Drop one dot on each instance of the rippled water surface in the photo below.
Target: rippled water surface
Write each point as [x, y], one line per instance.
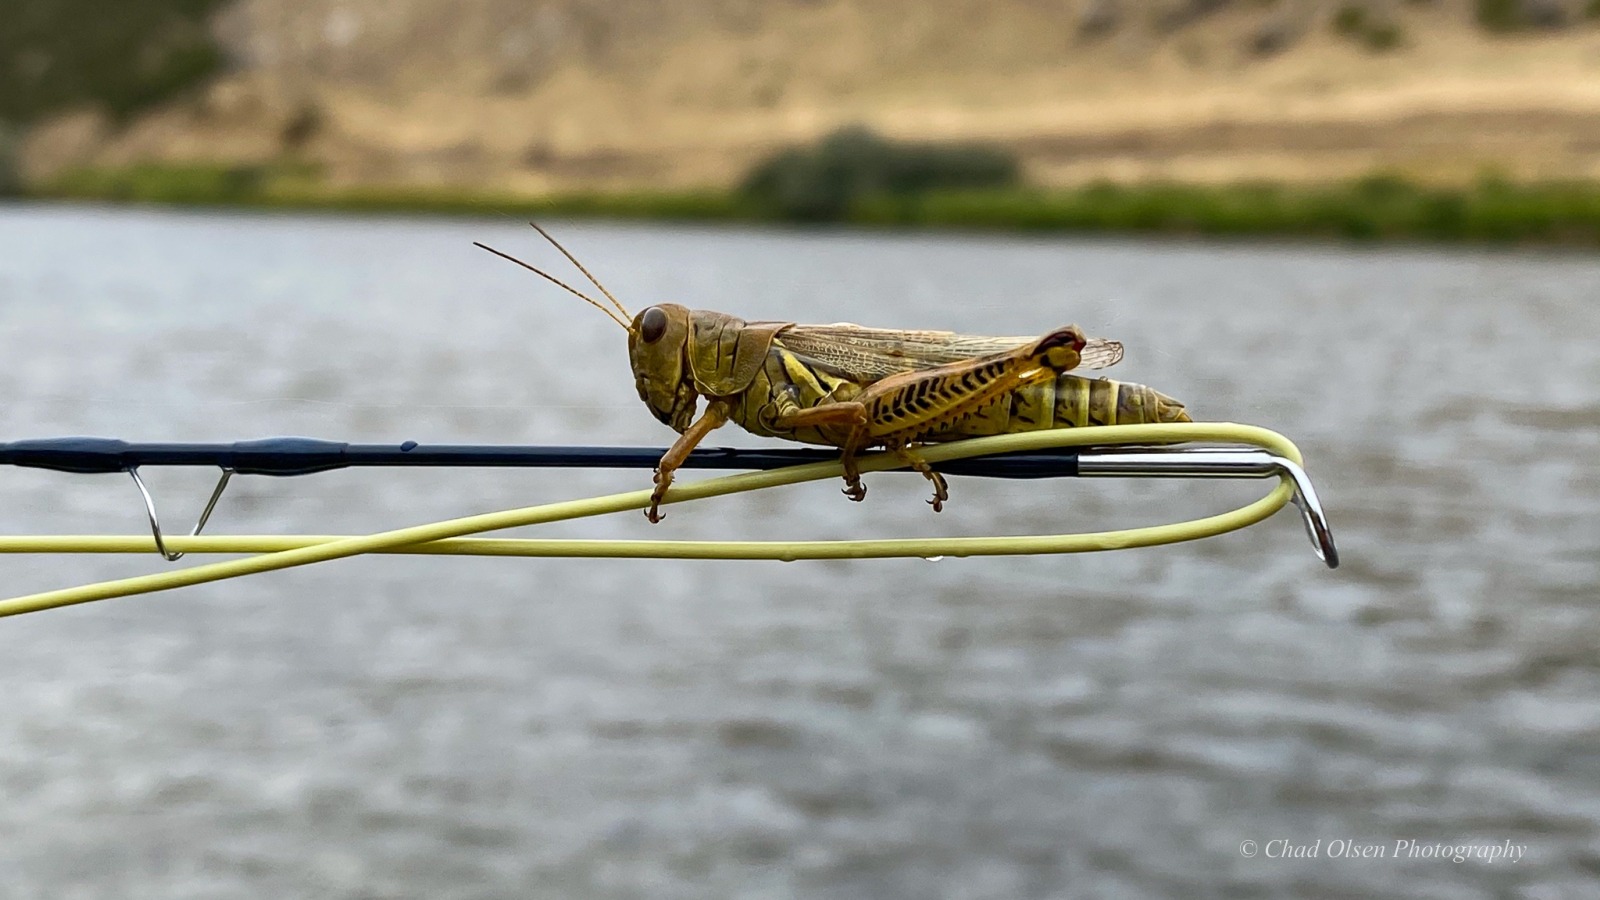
[1112, 726]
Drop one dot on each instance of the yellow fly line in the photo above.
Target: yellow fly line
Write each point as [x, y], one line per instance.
[274, 552]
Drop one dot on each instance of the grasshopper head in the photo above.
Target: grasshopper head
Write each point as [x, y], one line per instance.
[658, 350]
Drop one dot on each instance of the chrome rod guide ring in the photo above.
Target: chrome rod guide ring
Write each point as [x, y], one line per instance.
[155, 520]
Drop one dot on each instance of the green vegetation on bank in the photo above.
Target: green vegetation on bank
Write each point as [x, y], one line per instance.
[1374, 208]
[288, 186]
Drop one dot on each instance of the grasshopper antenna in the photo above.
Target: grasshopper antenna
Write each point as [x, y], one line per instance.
[593, 280]
[562, 284]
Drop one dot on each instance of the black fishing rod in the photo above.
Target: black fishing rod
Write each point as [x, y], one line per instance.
[284, 456]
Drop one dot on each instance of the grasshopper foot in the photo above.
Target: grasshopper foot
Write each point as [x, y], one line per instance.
[853, 488]
[654, 513]
[941, 488]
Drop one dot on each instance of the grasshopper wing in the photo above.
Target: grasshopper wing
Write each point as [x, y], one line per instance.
[874, 353]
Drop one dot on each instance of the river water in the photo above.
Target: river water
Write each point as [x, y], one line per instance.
[1116, 725]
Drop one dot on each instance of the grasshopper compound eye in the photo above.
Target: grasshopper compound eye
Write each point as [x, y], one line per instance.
[652, 325]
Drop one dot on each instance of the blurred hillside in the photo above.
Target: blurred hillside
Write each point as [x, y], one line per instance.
[629, 94]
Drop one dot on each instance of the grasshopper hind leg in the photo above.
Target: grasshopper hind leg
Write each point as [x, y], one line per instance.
[941, 488]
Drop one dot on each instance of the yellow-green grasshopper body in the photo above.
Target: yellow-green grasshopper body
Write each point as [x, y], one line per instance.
[855, 388]
[1068, 400]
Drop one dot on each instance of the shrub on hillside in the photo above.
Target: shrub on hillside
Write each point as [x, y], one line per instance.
[120, 55]
[825, 180]
[1357, 22]
[1512, 15]
[10, 166]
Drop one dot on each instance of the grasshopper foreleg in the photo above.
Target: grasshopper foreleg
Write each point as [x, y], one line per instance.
[715, 416]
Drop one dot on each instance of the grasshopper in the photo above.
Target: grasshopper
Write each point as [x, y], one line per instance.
[858, 388]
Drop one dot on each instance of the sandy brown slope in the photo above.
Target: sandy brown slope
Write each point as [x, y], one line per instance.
[576, 94]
